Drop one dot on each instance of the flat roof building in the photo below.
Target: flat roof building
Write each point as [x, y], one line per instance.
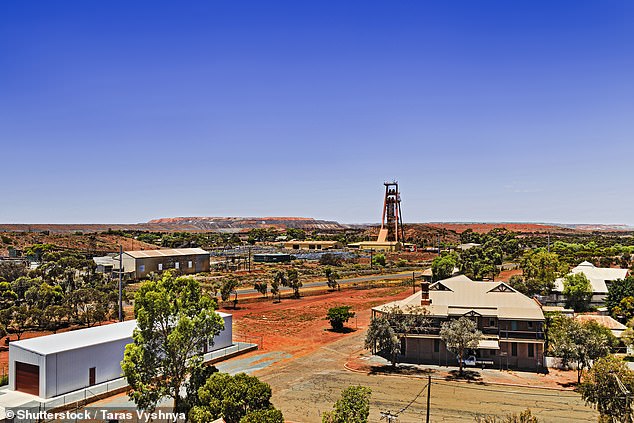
[272, 258]
[53, 365]
[312, 245]
[139, 264]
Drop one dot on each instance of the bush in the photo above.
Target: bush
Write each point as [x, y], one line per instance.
[4, 380]
[330, 259]
[379, 260]
[338, 316]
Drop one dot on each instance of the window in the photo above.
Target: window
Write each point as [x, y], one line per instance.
[190, 264]
[436, 345]
[531, 350]
[160, 267]
[491, 323]
[513, 325]
[514, 349]
[530, 325]
[491, 352]
[142, 268]
[177, 265]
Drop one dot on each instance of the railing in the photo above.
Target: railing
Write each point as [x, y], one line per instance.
[521, 334]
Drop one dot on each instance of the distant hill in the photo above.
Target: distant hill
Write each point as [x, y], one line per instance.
[186, 224]
[238, 224]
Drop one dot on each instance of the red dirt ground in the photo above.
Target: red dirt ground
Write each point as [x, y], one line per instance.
[299, 326]
[295, 326]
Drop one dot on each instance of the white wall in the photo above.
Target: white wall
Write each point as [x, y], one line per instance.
[225, 338]
[24, 356]
[68, 371]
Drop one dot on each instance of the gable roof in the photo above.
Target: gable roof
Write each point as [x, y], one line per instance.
[460, 295]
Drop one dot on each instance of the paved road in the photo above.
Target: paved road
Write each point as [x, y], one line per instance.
[348, 281]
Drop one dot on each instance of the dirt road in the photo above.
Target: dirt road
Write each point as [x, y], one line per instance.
[307, 386]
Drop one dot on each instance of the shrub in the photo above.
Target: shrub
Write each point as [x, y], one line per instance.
[338, 316]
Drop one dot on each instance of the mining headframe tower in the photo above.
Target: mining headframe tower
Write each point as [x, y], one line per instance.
[391, 235]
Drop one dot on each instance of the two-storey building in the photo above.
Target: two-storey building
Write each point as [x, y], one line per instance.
[511, 323]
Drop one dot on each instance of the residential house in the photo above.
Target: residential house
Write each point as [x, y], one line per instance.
[599, 277]
[512, 324]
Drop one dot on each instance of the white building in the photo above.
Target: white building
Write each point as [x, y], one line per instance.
[599, 277]
[54, 365]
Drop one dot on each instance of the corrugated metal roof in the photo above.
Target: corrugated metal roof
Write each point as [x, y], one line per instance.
[462, 295]
[166, 253]
[66, 341]
[596, 275]
[75, 339]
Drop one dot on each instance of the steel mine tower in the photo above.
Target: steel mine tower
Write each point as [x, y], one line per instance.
[392, 219]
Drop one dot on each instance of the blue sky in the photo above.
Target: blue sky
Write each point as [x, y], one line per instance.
[119, 111]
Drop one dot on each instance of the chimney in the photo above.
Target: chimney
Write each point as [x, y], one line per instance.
[424, 294]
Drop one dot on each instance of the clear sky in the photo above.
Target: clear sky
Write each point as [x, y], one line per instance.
[123, 111]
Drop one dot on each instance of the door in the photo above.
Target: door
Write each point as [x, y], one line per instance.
[92, 376]
[27, 378]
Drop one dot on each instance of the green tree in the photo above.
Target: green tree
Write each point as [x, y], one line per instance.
[578, 291]
[231, 398]
[338, 316]
[10, 271]
[175, 322]
[261, 287]
[617, 291]
[18, 319]
[442, 267]
[297, 234]
[332, 277]
[379, 260]
[579, 343]
[460, 335]
[8, 297]
[543, 268]
[352, 407]
[228, 287]
[602, 387]
[279, 279]
[381, 338]
[387, 330]
[293, 282]
[625, 309]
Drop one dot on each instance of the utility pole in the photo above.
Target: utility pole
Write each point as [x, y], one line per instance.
[413, 284]
[428, 396]
[371, 250]
[120, 283]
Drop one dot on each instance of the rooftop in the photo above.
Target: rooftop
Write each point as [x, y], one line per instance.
[460, 295]
[596, 275]
[66, 341]
[166, 252]
[72, 340]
